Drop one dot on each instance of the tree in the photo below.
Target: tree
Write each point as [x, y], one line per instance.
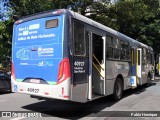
[138, 19]
[23, 8]
[4, 9]
[5, 42]
[26, 7]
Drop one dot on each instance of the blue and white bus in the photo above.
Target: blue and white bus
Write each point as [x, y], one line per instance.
[61, 54]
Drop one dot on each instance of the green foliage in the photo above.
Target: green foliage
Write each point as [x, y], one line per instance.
[5, 42]
[23, 8]
[138, 19]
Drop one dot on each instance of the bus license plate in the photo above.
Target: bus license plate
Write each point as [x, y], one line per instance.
[35, 81]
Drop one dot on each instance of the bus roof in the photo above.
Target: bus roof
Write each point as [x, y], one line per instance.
[81, 18]
[41, 15]
[105, 28]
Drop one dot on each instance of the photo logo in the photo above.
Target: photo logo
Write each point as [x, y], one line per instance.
[6, 114]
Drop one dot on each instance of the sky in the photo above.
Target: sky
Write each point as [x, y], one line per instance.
[3, 8]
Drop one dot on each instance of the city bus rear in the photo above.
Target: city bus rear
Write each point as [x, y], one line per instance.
[39, 66]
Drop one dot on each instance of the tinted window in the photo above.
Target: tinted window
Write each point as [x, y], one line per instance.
[139, 57]
[109, 41]
[116, 53]
[144, 60]
[109, 52]
[79, 41]
[113, 46]
[123, 56]
[125, 51]
[149, 57]
[116, 43]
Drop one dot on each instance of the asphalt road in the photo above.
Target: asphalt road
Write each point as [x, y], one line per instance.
[140, 99]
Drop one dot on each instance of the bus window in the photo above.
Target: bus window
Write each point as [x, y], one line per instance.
[144, 59]
[116, 46]
[79, 41]
[109, 43]
[149, 57]
[125, 51]
[139, 57]
[116, 53]
[109, 52]
[116, 43]
[128, 55]
[52, 23]
[123, 56]
[113, 47]
[133, 55]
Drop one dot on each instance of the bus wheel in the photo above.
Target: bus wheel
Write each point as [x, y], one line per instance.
[118, 89]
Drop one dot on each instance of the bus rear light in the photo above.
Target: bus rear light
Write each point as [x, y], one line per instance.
[65, 96]
[64, 70]
[46, 93]
[12, 71]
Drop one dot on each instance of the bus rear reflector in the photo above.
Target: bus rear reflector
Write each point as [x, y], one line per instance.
[66, 96]
[64, 70]
[21, 89]
[12, 71]
[46, 93]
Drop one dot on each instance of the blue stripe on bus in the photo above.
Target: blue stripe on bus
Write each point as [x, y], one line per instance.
[133, 70]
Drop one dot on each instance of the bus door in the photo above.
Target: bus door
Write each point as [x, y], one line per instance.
[133, 79]
[80, 64]
[139, 66]
[98, 65]
[159, 64]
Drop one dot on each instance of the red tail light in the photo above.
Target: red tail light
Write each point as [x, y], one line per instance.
[64, 70]
[12, 71]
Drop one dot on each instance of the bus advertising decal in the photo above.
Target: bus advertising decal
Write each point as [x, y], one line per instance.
[45, 51]
[35, 31]
[32, 32]
[23, 54]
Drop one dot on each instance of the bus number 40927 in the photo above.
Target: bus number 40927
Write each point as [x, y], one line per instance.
[33, 90]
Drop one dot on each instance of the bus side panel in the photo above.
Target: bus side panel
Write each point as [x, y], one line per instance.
[113, 70]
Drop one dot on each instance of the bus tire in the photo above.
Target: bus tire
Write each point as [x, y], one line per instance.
[118, 89]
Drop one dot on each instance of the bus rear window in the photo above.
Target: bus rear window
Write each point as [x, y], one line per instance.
[52, 23]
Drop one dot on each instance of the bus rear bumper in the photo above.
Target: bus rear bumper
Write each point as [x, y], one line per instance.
[60, 91]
